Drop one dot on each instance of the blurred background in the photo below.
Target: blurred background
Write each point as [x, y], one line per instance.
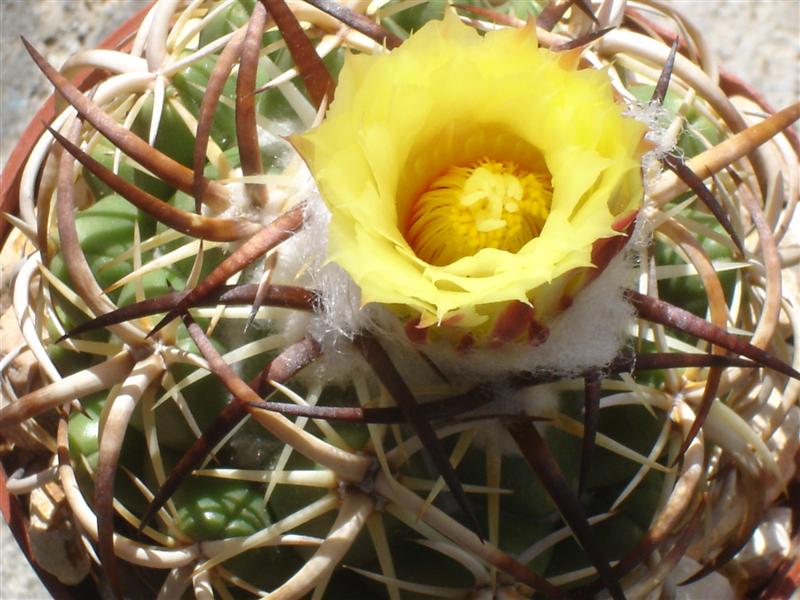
[759, 40]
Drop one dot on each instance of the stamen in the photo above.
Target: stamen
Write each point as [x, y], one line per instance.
[487, 204]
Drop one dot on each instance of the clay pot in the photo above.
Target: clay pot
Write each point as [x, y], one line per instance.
[13, 511]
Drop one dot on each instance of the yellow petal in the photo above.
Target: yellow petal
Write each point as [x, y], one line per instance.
[447, 97]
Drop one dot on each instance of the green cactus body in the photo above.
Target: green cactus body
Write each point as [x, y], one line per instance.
[354, 505]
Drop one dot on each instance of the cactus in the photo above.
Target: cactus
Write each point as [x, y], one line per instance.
[233, 409]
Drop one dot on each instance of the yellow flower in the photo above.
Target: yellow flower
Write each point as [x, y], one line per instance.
[466, 174]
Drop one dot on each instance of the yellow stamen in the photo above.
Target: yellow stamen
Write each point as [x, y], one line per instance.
[487, 204]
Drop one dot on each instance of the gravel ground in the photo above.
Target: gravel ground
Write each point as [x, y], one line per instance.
[757, 39]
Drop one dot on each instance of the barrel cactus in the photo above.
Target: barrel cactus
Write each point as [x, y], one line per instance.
[408, 300]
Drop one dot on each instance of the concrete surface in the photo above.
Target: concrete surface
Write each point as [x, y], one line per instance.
[57, 28]
[758, 39]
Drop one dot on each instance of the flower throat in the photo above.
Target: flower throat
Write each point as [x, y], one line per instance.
[486, 204]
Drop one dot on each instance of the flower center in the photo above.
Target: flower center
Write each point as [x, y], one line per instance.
[487, 204]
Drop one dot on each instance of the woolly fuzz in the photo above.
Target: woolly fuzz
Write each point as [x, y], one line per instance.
[587, 335]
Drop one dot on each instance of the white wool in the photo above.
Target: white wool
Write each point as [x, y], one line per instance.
[303, 261]
[274, 131]
[295, 325]
[300, 256]
[659, 129]
[587, 335]
[240, 206]
[534, 401]
[662, 131]
[273, 144]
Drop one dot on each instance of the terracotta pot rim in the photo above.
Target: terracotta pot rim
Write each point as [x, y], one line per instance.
[14, 514]
[12, 170]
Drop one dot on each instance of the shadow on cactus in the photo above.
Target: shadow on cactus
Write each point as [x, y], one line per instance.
[404, 300]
